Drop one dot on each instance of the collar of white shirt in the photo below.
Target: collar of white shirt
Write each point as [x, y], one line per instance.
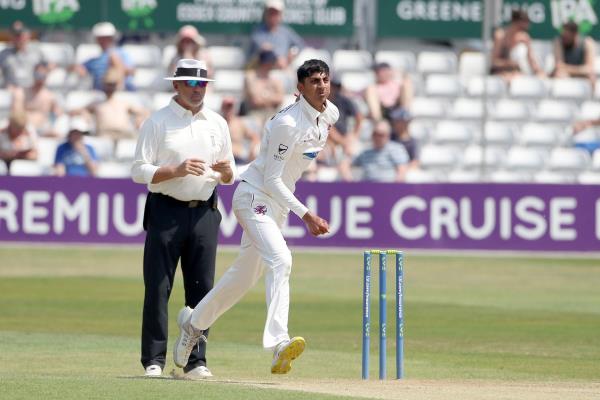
[310, 110]
[184, 112]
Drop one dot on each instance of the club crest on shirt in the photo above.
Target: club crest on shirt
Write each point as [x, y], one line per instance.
[260, 209]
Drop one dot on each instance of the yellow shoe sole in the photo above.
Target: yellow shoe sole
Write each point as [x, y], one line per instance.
[283, 364]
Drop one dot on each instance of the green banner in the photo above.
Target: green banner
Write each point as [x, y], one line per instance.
[445, 19]
[307, 17]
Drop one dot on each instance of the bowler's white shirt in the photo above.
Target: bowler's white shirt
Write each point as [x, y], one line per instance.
[170, 136]
[291, 141]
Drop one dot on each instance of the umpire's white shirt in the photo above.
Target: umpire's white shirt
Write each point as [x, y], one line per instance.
[173, 134]
[291, 141]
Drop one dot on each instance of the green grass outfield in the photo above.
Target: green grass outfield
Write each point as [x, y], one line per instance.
[70, 327]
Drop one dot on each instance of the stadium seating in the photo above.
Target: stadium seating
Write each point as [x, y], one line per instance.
[589, 109]
[424, 107]
[540, 135]
[498, 134]
[423, 176]
[471, 64]
[474, 156]
[86, 51]
[150, 79]
[79, 99]
[311, 53]
[509, 109]
[144, 55]
[571, 89]
[436, 62]
[399, 60]
[111, 169]
[103, 146]
[438, 157]
[441, 85]
[229, 81]
[27, 168]
[554, 177]
[568, 159]
[525, 159]
[61, 54]
[555, 111]
[357, 82]
[495, 86]
[452, 133]
[352, 60]
[125, 150]
[466, 108]
[528, 87]
[464, 176]
[589, 178]
[46, 151]
[5, 102]
[226, 57]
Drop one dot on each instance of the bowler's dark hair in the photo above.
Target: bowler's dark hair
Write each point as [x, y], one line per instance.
[518, 14]
[571, 26]
[310, 67]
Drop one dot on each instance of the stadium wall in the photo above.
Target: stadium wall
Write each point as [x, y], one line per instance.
[528, 217]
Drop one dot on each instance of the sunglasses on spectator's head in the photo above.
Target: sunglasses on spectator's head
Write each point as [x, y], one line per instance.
[194, 83]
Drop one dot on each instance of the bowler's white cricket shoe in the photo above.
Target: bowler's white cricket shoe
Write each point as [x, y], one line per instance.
[198, 373]
[285, 353]
[188, 337]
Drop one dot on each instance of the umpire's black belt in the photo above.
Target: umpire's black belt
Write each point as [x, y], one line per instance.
[210, 203]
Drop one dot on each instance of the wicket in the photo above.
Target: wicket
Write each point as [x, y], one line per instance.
[383, 312]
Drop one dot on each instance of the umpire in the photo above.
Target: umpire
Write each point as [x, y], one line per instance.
[183, 152]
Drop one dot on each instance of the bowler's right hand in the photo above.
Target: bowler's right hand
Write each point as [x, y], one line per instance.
[315, 224]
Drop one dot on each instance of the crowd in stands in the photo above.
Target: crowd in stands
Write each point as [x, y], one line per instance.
[399, 122]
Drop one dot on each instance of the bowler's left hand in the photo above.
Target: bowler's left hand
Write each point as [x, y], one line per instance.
[224, 168]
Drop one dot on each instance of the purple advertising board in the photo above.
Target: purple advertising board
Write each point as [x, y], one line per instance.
[360, 215]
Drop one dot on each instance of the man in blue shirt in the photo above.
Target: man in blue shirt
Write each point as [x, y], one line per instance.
[386, 161]
[272, 35]
[112, 57]
[74, 157]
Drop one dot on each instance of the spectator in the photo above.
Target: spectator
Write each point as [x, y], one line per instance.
[272, 35]
[574, 55]
[18, 61]
[17, 140]
[385, 162]
[592, 143]
[39, 102]
[75, 157]
[263, 92]
[190, 44]
[113, 115]
[244, 140]
[512, 53]
[388, 92]
[111, 58]
[401, 134]
[340, 134]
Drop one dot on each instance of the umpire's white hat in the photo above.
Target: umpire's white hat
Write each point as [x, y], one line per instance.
[188, 69]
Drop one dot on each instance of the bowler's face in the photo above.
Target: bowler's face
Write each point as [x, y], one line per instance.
[315, 89]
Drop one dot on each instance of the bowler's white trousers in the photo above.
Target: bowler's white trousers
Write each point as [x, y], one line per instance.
[262, 248]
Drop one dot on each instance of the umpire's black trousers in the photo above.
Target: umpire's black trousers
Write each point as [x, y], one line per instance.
[176, 230]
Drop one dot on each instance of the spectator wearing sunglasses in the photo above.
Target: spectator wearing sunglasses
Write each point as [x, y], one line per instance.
[184, 151]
